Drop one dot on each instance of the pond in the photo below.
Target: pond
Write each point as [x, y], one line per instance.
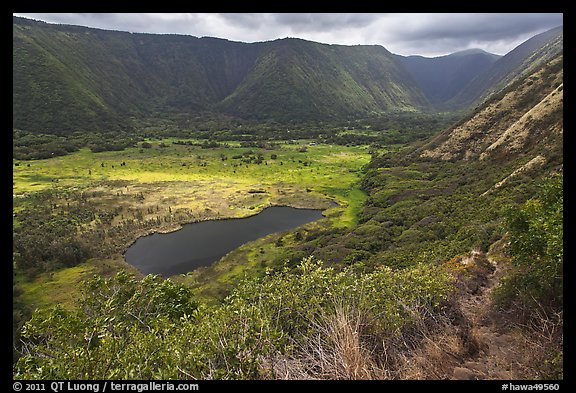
[203, 243]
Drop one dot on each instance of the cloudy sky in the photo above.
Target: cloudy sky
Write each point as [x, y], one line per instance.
[405, 34]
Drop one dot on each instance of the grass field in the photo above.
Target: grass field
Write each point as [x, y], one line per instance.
[193, 184]
[189, 177]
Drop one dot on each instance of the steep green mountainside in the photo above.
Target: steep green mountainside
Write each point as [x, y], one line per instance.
[519, 62]
[69, 78]
[294, 78]
[441, 78]
[53, 89]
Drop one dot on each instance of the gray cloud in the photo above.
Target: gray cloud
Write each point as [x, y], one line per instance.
[478, 26]
[307, 22]
[424, 34]
[247, 20]
[445, 33]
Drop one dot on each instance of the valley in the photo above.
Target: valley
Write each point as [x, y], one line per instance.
[431, 192]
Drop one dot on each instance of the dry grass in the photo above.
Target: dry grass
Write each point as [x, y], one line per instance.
[346, 345]
[466, 338]
[338, 350]
[540, 339]
[436, 344]
[434, 359]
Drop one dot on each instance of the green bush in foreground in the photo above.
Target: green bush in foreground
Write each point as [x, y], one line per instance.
[536, 246]
[153, 329]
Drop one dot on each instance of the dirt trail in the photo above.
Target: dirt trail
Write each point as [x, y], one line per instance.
[498, 355]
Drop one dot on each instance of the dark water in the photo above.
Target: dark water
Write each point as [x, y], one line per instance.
[203, 243]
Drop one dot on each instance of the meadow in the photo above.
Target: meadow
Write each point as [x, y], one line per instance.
[161, 184]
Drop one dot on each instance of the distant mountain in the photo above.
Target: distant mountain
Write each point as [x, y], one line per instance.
[298, 79]
[523, 120]
[441, 78]
[70, 78]
[517, 63]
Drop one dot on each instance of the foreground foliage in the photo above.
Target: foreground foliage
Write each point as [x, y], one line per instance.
[126, 328]
[537, 249]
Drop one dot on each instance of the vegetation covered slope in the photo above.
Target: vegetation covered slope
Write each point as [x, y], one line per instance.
[518, 63]
[52, 89]
[69, 78]
[267, 328]
[434, 200]
[525, 117]
[441, 78]
[297, 79]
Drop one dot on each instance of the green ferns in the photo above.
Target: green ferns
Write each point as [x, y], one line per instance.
[153, 329]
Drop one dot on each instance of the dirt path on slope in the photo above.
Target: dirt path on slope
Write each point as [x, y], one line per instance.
[498, 355]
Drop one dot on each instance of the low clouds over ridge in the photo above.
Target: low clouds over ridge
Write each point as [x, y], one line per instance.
[405, 34]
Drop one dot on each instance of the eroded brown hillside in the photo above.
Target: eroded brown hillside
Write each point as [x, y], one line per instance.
[525, 119]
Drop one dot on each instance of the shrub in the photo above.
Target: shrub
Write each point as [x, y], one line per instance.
[130, 329]
[536, 247]
[113, 334]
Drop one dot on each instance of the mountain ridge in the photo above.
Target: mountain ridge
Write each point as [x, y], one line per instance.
[70, 78]
[109, 77]
[525, 118]
[443, 77]
[517, 63]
